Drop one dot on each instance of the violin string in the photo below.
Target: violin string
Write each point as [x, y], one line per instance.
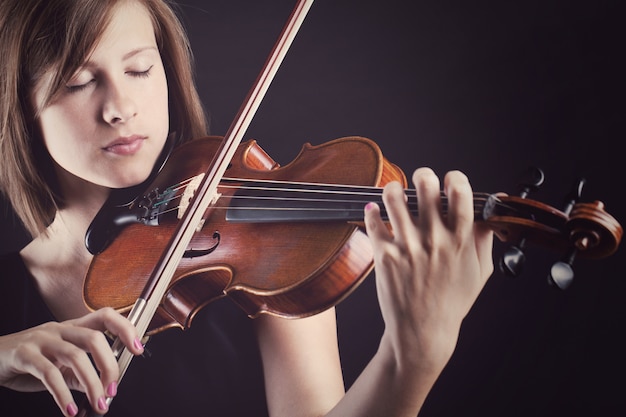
[336, 189]
[316, 189]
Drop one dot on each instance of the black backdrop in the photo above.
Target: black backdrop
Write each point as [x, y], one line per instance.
[488, 87]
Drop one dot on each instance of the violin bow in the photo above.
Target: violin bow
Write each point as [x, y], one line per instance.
[206, 194]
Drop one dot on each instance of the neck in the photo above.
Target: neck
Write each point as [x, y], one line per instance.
[81, 199]
[58, 258]
[58, 261]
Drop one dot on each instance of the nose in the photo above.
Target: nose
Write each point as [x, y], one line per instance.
[118, 106]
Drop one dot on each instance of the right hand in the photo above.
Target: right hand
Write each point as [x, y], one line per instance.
[55, 357]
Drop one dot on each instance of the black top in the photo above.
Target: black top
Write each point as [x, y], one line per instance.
[211, 369]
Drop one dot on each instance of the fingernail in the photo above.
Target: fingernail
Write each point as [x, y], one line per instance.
[369, 206]
[112, 389]
[71, 409]
[138, 344]
[102, 404]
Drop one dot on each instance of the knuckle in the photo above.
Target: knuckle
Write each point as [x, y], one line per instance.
[94, 338]
[391, 255]
[461, 239]
[108, 313]
[38, 336]
[49, 373]
[51, 326]
[431, 242]
[74, 355]
[25, 352]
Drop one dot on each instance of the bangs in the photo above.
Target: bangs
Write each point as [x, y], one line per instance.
[62, 40]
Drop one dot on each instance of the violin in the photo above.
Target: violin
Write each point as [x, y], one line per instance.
[289, 240]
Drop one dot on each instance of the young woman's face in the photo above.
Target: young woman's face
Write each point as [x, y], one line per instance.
[109, 124]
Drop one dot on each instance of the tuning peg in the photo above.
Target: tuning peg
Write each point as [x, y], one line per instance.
[530, 181]
[513, 260]
[574, 195]
[562, 272]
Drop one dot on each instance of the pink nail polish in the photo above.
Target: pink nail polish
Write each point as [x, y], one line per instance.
[112, 389]
[138, 344]
[102, 404]
[71, 409]
[369, 206]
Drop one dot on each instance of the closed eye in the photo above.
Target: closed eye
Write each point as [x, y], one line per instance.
[140, 74]
[80, 87]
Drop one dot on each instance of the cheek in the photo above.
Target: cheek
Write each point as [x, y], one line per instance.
[58, 130]
[158, 104]
[64, 129]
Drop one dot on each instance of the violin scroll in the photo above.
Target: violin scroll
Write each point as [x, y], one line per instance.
[582, 230]
[593, 233]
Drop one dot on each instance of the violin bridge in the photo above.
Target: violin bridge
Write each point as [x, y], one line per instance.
[188, 193]
[214, 200]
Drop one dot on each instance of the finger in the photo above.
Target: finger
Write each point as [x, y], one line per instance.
[400, 219]
[484, 248]
[428, 191]
[73, 355]
[460, 218]
[107, 319]
[40, 367]
[374, 225]
[94, 341]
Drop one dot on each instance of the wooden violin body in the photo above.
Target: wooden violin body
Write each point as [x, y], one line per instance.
[288, 240]
[291, 268]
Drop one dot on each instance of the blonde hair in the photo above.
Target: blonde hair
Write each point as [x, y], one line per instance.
[37, 36]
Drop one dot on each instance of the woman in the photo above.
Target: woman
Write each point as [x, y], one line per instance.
[91, 91]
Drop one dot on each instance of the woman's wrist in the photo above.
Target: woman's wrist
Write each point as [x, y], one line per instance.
[418, 353]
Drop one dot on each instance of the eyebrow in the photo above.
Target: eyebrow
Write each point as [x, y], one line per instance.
[138, 51]
[125, 57]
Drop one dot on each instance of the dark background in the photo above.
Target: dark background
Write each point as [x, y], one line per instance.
[488, 87]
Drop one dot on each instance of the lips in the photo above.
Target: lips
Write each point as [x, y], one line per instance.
[125, 145]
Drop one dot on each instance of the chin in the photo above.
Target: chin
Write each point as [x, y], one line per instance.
[127, 181]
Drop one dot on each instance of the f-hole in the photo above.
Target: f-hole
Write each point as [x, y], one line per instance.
[194, 253]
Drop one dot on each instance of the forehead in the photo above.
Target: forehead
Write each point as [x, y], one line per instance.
[130, 24]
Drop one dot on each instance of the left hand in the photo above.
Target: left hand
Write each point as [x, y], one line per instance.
[429, 269]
